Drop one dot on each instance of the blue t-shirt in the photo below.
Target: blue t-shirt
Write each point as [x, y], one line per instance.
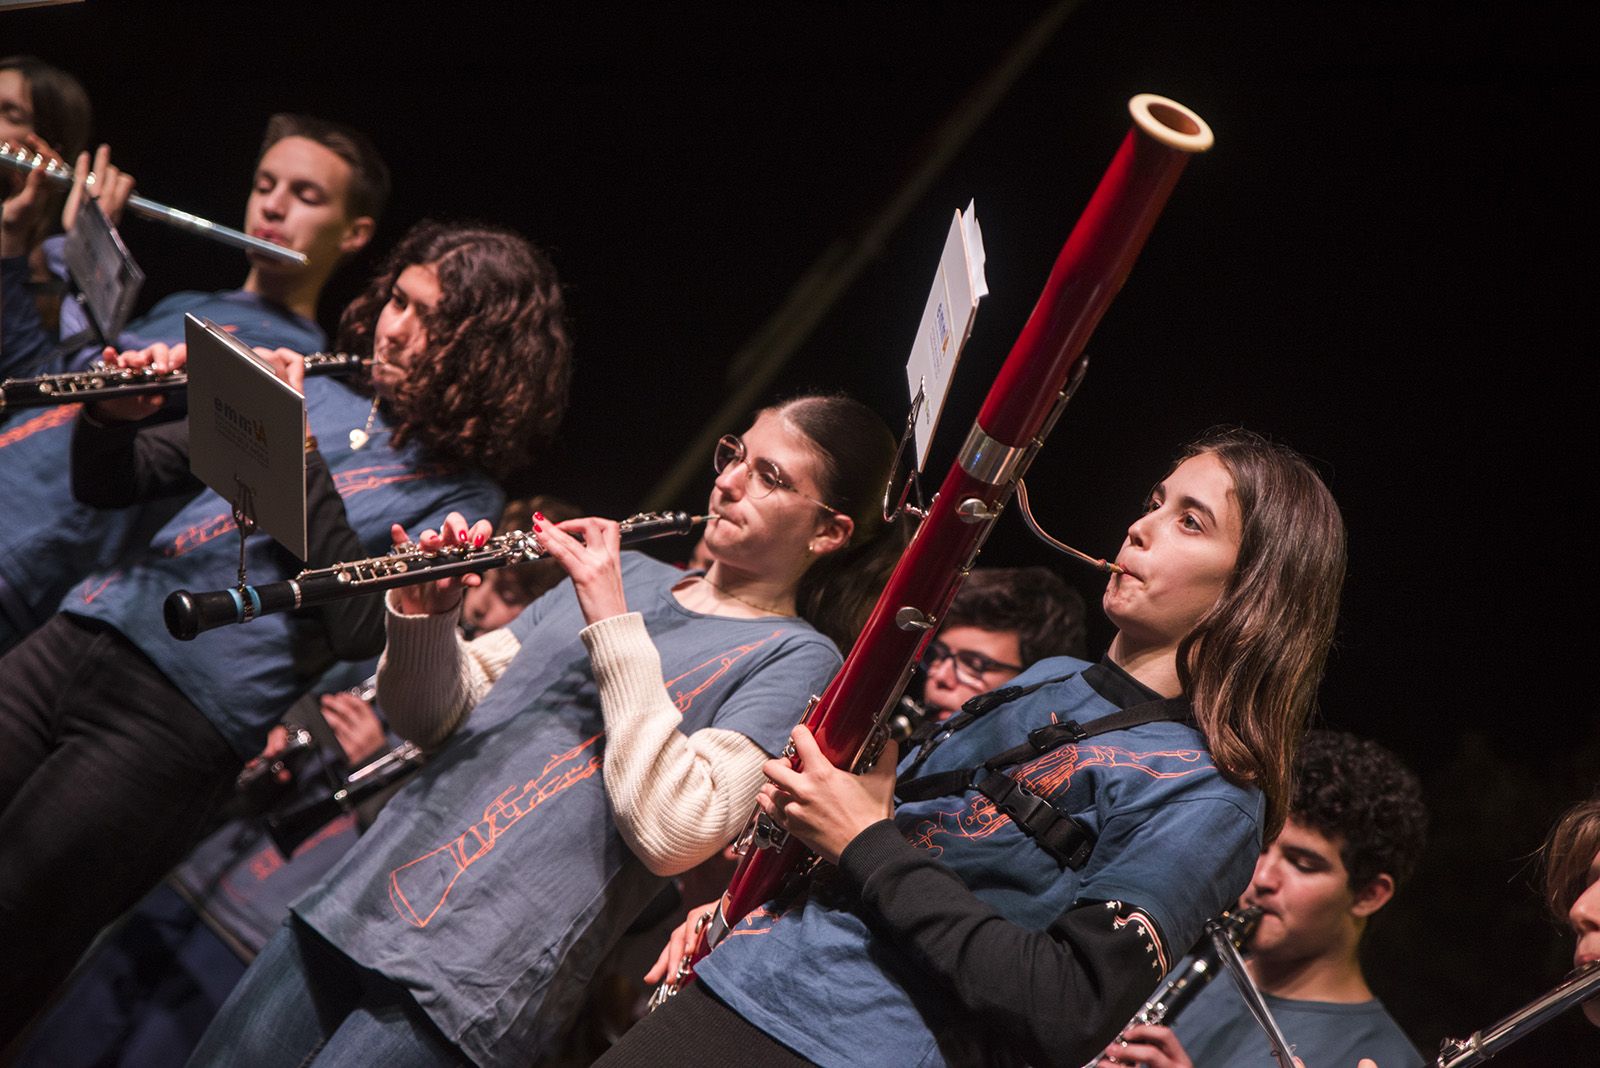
[48, 541]
[1217, 1031]
[1173, 839]
[492, 885]
[244, 678]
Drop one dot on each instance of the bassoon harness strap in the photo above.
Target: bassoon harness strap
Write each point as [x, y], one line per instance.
[1058, 833]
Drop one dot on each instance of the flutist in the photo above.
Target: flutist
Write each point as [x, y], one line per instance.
[1572, 884]
[610, 737]
[317, 187]
[1025, 895]
[466, 327]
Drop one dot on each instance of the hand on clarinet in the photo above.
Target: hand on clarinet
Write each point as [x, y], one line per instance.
[440, 595]
[277, 742]
[590, 551]
[824, 806]
[1146, 1044]
[683, 939]
[160, 358]
[355, 726]
[287, 364]
[1155, 1046]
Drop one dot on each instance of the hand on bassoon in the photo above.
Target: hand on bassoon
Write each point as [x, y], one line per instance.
[824, 806]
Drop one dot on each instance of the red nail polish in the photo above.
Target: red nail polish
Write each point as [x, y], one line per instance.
[539, 516]
[480, 539]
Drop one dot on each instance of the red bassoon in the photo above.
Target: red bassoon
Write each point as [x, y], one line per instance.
[1028, 394]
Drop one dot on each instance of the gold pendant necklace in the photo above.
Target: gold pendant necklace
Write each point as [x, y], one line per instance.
[741, 600]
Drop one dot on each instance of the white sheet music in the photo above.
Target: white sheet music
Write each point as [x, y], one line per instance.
[946, 324]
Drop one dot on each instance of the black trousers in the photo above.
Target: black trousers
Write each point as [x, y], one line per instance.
[695, 1028]
[108, 777]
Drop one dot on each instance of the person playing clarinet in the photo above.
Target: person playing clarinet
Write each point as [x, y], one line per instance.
[117, 741]
[611, 737]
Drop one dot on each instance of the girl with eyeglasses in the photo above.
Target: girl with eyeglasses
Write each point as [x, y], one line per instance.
[612, 736]
[1043, 859]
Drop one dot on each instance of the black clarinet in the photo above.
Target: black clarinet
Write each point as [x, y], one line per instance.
[188, 614]
[290, 826]
[105, 381]
[1181, 987]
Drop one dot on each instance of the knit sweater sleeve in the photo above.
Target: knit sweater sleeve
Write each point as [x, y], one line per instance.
[429, 679]
[677, 798]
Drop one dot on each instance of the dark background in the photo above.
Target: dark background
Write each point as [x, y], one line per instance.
[1385, 261]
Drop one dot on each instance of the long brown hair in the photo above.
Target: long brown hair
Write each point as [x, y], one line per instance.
[855, 451]
[61, 112]
[493, 387]
[1568, 853]
[1251, 667]
[61, 118]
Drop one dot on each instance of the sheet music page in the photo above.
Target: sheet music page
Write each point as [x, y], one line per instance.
[947, 319]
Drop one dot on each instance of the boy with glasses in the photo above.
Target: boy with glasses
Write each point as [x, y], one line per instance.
[1002, 620]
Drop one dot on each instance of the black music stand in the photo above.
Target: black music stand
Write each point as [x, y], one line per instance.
[107, 278]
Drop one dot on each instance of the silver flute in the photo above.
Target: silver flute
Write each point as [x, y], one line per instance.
[1579, 986]
[19, 158]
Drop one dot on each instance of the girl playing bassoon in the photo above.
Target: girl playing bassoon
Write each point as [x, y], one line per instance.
[1036, 879]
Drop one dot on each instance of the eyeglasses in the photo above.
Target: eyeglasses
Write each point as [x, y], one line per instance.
[971, 666]
[764, 475]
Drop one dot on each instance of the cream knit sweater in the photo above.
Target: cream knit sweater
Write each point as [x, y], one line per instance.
[676, 798]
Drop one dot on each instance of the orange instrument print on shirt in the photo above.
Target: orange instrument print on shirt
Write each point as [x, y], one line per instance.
[419, 889]
[52, 417]
[694, 682]
[1047, 776]
[361, 479]
[348, 483]
[92, 589]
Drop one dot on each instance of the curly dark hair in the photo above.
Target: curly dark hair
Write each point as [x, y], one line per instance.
[1568, 853]
[1355, 789]
[493, 388]
[1046, 614]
